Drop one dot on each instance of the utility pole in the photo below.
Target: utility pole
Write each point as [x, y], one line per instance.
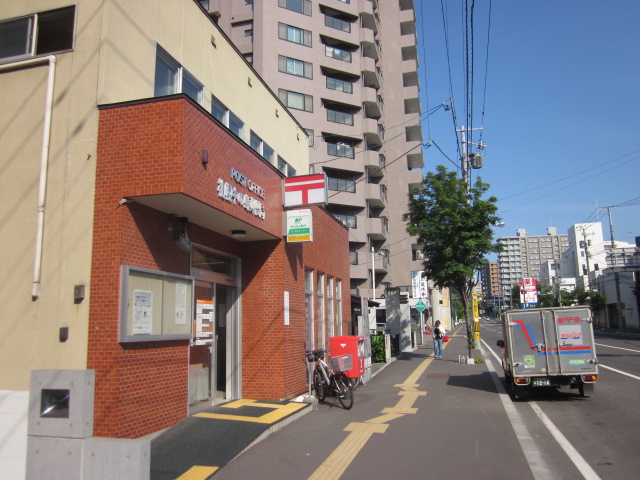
[586, 253]
[464, 161]
[616, 275]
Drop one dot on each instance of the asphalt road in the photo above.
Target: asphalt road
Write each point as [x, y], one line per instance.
[595, 437]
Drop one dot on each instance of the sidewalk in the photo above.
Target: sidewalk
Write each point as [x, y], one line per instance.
[461, 394]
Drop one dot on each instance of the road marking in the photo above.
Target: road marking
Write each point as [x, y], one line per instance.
[619, 348]
[537, 465]
[581, 464]
[360, 432]
[618, 371]
[198, 473]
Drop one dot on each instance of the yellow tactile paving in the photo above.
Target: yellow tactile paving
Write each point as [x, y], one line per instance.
[198, 473]
[278, 412]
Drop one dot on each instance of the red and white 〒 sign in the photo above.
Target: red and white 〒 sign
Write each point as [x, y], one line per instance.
[306, 190]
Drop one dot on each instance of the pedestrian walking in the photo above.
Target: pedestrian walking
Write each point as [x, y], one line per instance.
[438, 332]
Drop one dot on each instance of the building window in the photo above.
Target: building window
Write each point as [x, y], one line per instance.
[339, 117]
[285, 168]
[342, 184]
[339, 306]
[349, 221]
[321, 318]
[227, 117]
[312, 138]
[340, 149]
[308, 307]
[294, 34]
[39, 34]
[295, 67]
[171, 77]
[334, 83]
[337, 53]
[337, 23]
[297, 101]
[248, 32]
[300, 6]
[330, 308]
[353, 255]
[261, 147]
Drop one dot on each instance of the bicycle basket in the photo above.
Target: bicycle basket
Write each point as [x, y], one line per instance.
[341, 363]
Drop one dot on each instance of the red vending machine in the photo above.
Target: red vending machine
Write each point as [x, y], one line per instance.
[349, 345]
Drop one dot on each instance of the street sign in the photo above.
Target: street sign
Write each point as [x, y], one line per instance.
[420, 306]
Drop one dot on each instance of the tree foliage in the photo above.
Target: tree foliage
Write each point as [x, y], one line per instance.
[452, 224]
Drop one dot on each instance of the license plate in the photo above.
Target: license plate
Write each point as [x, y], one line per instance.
[541, 382]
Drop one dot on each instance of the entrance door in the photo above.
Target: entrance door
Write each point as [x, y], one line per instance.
[215, 349]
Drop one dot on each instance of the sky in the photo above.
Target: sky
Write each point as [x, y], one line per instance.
[556, 88]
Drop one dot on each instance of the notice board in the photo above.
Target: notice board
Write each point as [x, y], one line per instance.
[155, 305]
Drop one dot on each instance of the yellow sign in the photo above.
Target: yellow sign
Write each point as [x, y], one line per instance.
[299, 238]
[476, 309]
[476, 329]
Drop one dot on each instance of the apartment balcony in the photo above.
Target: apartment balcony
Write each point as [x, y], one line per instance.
[374, 195]
[406, 5]
[411, 101]
[370, 103]
[415, 160]
[346, 164]
[409, 65]
[413, 134]
[346, 199]
[359, 233]
[371, 133]
[367, 36]
[361, 271]
[408, 25]
[371, 161]
[414, 180]
[409, 52]
[378, 228]
[369, 72]
[410, 79]
[367, 16]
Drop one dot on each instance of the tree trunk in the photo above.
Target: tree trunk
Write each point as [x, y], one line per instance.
[468, 320]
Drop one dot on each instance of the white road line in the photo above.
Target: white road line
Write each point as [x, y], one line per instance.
[539, 468]
[618, 371]
[583, 467]
[619, 348]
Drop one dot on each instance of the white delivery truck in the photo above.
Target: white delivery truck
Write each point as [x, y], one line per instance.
[548, 347]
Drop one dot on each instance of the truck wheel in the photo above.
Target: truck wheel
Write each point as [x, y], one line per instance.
[585, 389]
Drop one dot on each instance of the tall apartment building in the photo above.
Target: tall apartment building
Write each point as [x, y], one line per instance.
[521, 256]
[490, 275]
[347, 70]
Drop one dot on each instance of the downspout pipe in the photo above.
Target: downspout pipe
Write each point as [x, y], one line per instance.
[44, 162]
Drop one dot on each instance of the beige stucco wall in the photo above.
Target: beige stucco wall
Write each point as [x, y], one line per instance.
[113, 60]
[127, 59]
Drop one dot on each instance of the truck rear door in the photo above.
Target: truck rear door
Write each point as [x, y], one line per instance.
[528, 344]
[573, 345]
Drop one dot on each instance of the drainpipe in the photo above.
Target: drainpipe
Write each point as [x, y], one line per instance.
[44, 162]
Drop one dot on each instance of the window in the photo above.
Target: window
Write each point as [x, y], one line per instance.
[297, 101]
[349, 221]
[295, 67]
[294, 34]
[330, 316]
[261, 147]
[285, 168]
[342, 184]
[248, 32]
[334, 83]
[353, 255]
[339, 117]
[172, 78]
[337, 23]
[339, 306]
[227, 117]
[300, 6]
[320, 303]
[308, 307]
[39, 34]
[312, 139]
[337, 53]
[340, 149]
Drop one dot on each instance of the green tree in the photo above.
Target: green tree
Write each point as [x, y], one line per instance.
[546, 297]
[453, 226]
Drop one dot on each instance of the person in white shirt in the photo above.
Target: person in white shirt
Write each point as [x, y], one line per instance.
[438, 332]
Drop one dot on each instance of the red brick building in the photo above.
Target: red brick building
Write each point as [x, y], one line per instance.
[180, 199]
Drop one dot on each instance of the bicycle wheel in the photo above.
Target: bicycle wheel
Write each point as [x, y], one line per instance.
[343, 390]
[319, 384]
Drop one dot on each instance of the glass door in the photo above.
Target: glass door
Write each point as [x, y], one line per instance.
[200, 355]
